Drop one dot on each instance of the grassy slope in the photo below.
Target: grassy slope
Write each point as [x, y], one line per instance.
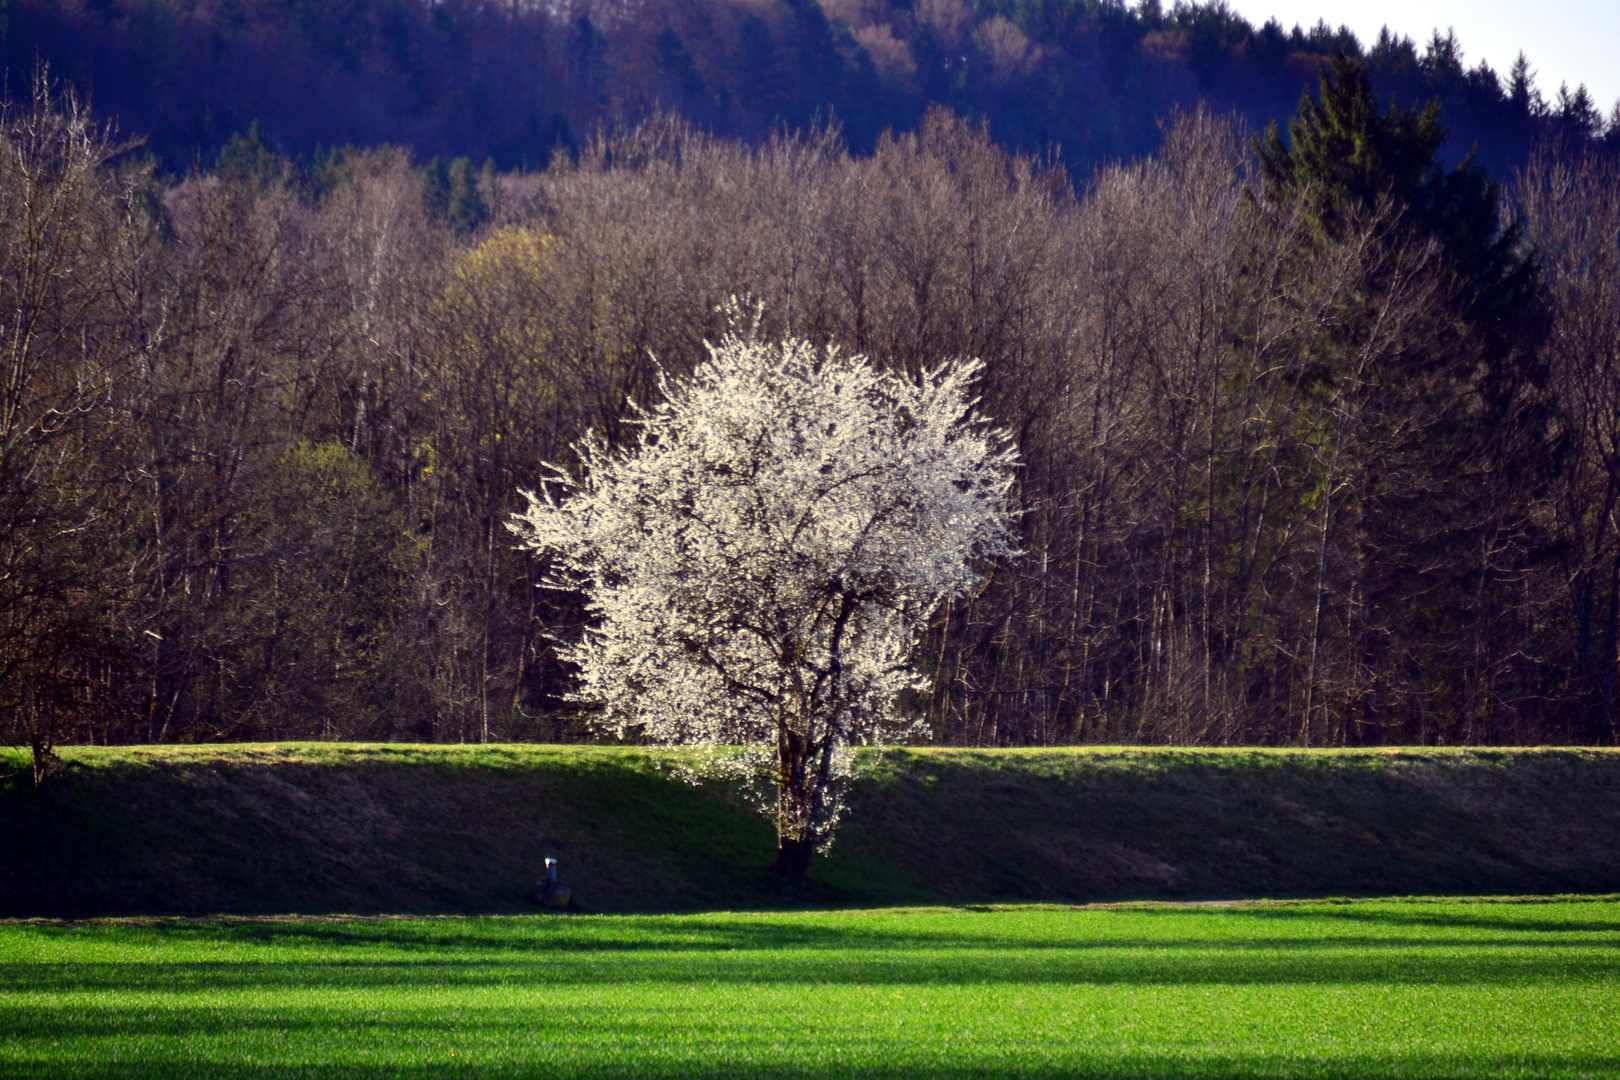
[390, 828]
[1366, 989]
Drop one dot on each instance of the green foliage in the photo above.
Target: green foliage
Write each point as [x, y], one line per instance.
[464, 203]
[329, 167]
[248, 159]
[1345, 151]
[1405, 989]
[452, 188]
[303, 615]
[1416, 424]
[1347, 155]
[324, 597]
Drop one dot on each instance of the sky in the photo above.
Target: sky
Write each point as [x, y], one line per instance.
[1573, 41]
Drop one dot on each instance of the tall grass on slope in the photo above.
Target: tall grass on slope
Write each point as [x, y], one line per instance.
[397, 828]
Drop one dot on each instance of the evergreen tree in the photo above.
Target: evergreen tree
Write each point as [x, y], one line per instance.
[1344, 152]
[248, 159]
[1523, 98]
[1449, 431]
[1579, 113]
[451, 188]
[464, 203]
[1346, 155]
[435, 177]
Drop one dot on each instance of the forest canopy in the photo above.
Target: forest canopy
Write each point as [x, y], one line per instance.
[513, 82]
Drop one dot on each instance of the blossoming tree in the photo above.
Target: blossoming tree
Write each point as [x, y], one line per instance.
[760, 561]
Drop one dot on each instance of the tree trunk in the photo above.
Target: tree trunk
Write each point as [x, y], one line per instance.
[793, 859]
[46, 763]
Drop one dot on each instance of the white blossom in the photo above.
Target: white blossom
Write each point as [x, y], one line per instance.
[761, 559]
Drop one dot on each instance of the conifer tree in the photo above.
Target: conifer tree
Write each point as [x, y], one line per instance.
[1441, 439]
[1346, 154]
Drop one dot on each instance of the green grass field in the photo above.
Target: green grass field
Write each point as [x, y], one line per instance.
[1440, 988]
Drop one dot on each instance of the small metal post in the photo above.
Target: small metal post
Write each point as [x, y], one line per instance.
[551, 892]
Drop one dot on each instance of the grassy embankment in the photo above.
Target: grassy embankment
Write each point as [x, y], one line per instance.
[390, 828]
[1363, 989]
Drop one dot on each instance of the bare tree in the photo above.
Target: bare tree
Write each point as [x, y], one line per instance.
[1573, 204]
[73, 237]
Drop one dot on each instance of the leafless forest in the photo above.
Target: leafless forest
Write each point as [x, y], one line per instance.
[1287, 477]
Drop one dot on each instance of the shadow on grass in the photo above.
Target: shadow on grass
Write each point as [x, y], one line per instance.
[1149, 965]
[1197, 947]
[177, 999]
[1449, 919]
[1405, 925]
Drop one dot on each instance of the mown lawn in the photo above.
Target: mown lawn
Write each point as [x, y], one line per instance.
[1443, 988]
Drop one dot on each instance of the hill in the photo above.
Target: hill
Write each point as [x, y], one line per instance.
[511, 82]
[400, 828]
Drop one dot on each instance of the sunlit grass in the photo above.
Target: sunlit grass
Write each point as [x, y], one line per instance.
[1418, 988]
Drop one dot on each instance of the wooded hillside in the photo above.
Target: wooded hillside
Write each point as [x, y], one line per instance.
[513, 81]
